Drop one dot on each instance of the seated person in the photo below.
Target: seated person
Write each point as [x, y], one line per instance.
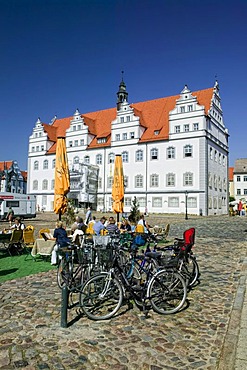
[112, 227]
[60, 235]
[100, 225]
[62, 240]
[79, 225]
[125, 226]
[18, 225]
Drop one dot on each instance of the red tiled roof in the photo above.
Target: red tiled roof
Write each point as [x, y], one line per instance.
[24, 175]
[230, 173]
[153, 114]
[5, 165]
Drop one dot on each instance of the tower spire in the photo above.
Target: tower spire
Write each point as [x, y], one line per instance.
[122, 94]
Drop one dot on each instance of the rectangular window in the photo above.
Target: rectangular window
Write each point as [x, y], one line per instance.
[195, 126]
[100, 202]
[82, 142]
[238, 191]
[125, 136]
[122, 119]
[74, 128]
[156, 202]
[192, 202]
[238, 178]
[127, 202]
[245, 191]
[128, 118]
[190, 108]
[132, 135]
[182, 109]
[76, 142]
[70, 144]
[173, 202]
[141, 201]
[117, 137]
[186, 128]
[79, 127]
[177, 129]
[245, 178]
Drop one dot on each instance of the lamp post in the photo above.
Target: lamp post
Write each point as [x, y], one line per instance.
[186, 205]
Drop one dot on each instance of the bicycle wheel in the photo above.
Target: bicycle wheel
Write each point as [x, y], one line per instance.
[63, 272]
[167, 292]
[193, 269]
[101, 297]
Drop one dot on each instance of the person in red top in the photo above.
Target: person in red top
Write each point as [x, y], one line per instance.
[240, 207]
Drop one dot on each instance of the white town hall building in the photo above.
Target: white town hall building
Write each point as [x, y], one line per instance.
[174, 152]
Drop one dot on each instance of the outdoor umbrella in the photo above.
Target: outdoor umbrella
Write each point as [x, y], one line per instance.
[118, 186]
[62, 183]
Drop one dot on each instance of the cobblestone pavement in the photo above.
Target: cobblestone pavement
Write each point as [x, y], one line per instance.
[204, 335]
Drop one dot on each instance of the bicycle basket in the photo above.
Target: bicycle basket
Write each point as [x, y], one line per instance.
[101, 240]
[105, 255]
[86, 255]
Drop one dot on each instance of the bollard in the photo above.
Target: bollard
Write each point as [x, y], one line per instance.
[64, 307]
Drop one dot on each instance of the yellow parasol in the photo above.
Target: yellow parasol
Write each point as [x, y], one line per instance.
[118, 186]
[62, 182]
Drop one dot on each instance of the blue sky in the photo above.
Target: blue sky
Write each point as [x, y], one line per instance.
[59, 55]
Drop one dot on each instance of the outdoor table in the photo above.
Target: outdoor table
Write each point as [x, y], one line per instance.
[43, 247]
[5, 239]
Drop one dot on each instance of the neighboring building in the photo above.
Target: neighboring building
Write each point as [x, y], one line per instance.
[240, 180]
[12, 179]
[174, 152]
[231, 182]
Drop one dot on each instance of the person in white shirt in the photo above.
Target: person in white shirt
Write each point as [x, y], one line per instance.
[18, 224]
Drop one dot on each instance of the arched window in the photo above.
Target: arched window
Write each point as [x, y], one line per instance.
[170, 179]
[170, 152]
[86, 159]
[111, 158]
[76, 160]
[188, 179]
[35, 184]
[125, 157]
[36, 165]
[45, 185]
[45, 164]
[139, 155]
[154, 181]
[139, 181]
[154, 154]
[188, 151]
[98, 159]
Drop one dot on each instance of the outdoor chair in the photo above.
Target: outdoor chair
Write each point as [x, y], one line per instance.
[16, 240]
[28, 241]
[43, 231]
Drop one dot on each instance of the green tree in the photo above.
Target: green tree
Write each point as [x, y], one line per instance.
[69, 217]
[134, 215]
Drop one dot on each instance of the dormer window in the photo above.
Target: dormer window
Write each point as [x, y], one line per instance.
[101, 140]
[156, 132]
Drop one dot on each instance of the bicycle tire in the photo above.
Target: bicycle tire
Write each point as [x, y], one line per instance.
[193, 269]
[167, 292]
[63, 271]
[97, 304]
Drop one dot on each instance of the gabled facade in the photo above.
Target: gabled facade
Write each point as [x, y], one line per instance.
[12, 179]
[240, 179]
[174, 152]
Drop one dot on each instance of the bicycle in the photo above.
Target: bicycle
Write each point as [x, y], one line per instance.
[102, 295]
